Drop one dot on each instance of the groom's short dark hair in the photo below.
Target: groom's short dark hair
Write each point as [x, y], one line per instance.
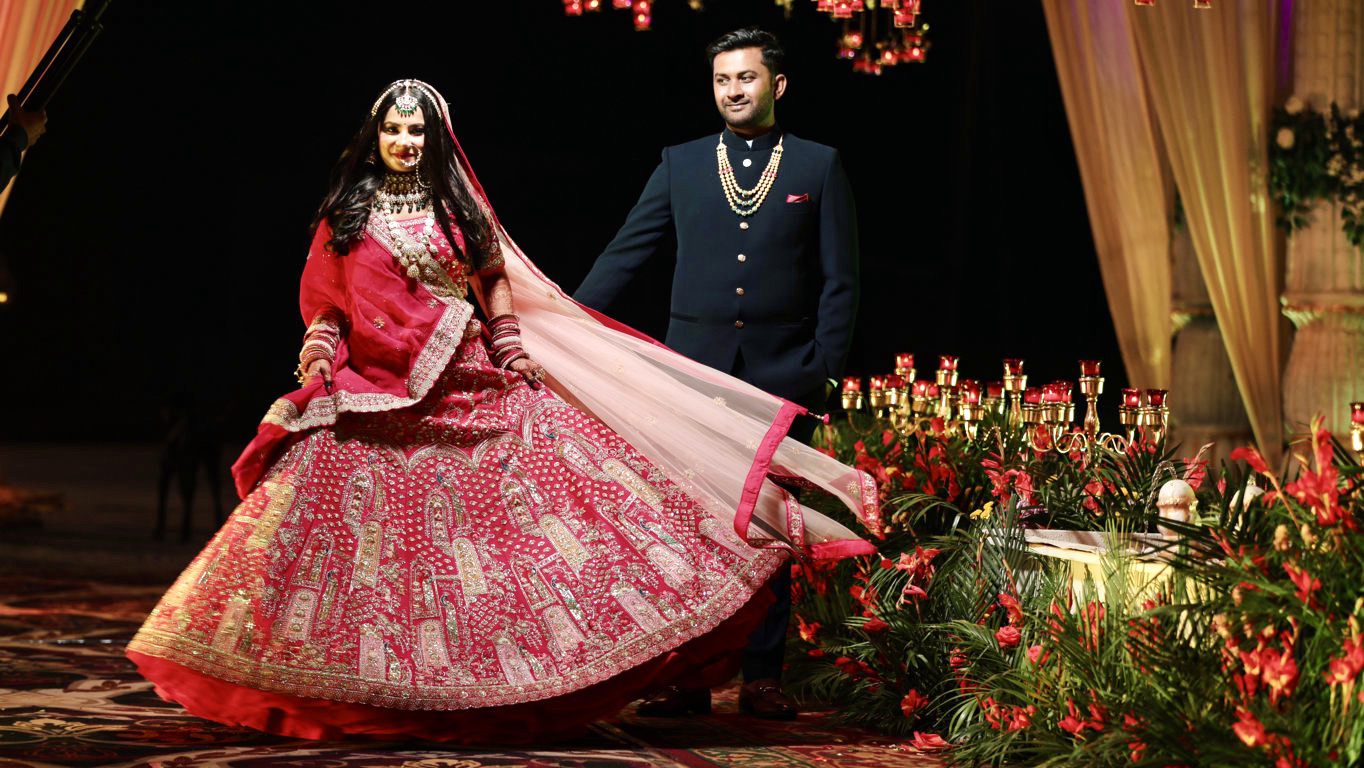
[750, 37]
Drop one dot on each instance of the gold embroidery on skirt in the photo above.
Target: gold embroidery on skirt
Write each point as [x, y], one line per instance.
[281, 496]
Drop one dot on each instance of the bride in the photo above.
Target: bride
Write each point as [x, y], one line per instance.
[479, 524]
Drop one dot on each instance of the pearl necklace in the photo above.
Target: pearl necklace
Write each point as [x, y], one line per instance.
[746, 202]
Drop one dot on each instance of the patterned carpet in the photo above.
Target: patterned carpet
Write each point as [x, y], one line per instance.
[69, 698]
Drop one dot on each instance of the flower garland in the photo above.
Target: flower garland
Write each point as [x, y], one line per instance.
[1317, 156]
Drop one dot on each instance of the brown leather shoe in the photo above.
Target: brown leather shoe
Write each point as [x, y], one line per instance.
[764, 698]
[676, 702]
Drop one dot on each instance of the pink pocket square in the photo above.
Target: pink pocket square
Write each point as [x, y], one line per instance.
[801, 198]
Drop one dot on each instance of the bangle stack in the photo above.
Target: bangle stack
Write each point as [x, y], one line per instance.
[505, 333]
[319, 343]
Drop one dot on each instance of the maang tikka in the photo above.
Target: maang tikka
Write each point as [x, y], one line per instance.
[406, 103]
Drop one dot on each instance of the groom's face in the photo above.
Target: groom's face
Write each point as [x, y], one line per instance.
[745, 89]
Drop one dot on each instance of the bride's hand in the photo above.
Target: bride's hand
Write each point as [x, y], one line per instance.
[321, 368]
[533, 372]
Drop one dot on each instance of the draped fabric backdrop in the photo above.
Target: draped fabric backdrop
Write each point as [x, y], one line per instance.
[1209, 79]
[1125, 176]
[27, 28]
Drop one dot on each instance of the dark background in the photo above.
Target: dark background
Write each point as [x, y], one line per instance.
[155, 236]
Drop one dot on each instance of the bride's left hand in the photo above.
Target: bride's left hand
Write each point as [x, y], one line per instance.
[533, 372]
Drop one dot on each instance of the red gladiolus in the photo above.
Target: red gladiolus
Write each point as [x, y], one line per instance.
[1071, 723]
[928, 742]
[1249, 729]
[1303, 581]
[816, 652]
[912, 702]
[912, 591]
[1321, 492]
[1021, 717]
[1252, 457]
[875, 625]
[1281, 674]
[1345, 669]
[808, 630]
[1007, 636]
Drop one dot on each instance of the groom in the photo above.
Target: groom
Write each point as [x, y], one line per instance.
[765, 286]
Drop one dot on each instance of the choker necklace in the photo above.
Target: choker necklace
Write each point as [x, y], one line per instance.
[746, 202]
[403, 192]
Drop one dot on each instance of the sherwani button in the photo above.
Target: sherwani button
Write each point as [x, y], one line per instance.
[743, 225]
[742, 257]
[739, 291]
[738, 323]
[748, 161]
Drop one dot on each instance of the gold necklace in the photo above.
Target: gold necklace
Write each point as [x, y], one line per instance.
[746, 202]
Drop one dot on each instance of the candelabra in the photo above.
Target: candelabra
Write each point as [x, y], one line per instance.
[1046, 414]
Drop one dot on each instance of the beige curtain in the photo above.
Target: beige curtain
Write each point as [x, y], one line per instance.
[27, 28]
[1210, 78]
[1124, 175]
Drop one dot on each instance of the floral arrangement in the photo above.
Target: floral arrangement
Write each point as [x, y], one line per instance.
[1317, 156]
[959, 638]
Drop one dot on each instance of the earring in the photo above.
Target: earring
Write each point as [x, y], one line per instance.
[372, 158]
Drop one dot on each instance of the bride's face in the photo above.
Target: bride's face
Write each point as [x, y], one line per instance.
[401, 140]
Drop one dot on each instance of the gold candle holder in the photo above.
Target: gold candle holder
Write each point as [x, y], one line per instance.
[1015, 382]
[1091, 386]
[1357, 430]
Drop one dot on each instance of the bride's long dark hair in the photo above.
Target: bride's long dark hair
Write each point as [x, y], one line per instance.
[355, 178]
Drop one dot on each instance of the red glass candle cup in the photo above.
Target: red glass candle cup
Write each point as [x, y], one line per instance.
[877, 382]
[1131, 397]
[904, 360]
[1013, 366]
[994, 389]
[947, 362]
[932, 389]
[1357, 413]
[894, 381]
[1032, 395]
[1156, 397]
[1089, 367]
[919, 388]
[852, 383]
[970, 391]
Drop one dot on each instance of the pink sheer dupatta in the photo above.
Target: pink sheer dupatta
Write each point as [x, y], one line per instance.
[720, 439]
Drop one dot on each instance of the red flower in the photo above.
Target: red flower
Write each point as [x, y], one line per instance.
[1072, 723]
[928, 742]
[1321, 492]
[816, 652]
[1346, 668]
[808, 630]
[875, 625]
[1007, 636]
[1249, 729]
[1281, 674]
[1303, 581]
[912, 702]
[1011, 605]
[1252, 457]
[1038, 656]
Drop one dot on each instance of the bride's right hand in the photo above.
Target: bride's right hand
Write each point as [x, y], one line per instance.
[321, 368]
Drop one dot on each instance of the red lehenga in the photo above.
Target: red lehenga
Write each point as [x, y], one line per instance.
[438, 551]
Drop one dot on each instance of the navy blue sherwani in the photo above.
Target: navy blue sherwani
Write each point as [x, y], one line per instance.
[769, 298]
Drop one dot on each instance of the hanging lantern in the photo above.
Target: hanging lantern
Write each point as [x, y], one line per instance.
[591, 5]
[916, 48]
[573, 7]
[621, 4]
[643, 13]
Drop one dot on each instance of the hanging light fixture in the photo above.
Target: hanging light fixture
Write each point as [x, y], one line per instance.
[879, 33]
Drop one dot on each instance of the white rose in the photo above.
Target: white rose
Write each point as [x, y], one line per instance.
[1294, 105]
[1285, 138]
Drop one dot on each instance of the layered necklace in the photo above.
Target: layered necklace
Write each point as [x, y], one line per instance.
[401, 193]
[746, 202]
